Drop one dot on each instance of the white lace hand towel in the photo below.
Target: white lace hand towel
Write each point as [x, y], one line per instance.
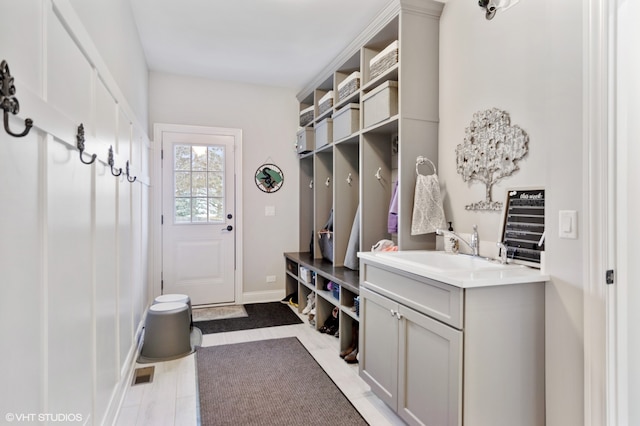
[428, 213]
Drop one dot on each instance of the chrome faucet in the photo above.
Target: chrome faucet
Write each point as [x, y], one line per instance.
[473, 244]
[503, 252]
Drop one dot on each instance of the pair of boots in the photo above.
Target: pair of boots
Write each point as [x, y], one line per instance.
[331, 325]
[350, 355]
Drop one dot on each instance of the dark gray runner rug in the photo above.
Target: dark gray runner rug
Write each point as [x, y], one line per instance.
[259, 315]
[268, 382]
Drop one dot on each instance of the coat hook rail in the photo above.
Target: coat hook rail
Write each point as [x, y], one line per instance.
[129, 176]
[112, 162]
[80, 144]
[8, 102]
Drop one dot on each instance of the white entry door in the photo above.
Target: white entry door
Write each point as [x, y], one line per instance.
[198, 215]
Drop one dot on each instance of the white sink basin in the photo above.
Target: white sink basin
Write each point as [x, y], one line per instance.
[444, 261]
[460, 270]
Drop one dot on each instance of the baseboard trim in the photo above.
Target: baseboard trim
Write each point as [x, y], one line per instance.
[262, 296]
[120, 390]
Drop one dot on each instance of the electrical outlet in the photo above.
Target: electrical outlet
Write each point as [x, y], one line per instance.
[271, 278]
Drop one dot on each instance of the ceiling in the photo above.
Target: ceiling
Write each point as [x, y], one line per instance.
[283, 43]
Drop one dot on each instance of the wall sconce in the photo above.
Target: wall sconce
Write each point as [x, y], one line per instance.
[491, 7]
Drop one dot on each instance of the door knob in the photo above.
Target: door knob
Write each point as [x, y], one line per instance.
[228, 228]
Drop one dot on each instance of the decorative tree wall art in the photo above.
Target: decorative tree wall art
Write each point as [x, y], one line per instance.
[491, 150]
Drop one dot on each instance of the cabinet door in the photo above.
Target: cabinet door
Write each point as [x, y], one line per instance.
[379, 345]
[430, 371]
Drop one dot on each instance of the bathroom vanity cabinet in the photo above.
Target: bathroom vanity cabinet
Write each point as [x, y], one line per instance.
[443, 355]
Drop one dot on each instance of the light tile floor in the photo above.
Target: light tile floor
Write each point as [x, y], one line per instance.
[171, 399]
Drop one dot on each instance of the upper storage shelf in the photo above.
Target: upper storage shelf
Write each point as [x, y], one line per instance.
[374, 110]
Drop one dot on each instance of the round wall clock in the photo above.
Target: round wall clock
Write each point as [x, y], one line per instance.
[269, 177]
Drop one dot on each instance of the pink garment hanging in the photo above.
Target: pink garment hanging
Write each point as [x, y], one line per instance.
[392, 221]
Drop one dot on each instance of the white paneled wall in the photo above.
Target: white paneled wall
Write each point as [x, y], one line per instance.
[73, 237]
[22, 287]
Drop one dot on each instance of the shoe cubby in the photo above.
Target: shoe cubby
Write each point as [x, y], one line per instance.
[312, 278]
[348, 303]
[303, 295]
[349, 330]
[322, 290]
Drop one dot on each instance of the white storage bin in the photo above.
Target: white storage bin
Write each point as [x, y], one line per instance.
[346, 121]
[305, 274]
[380, 104]
[324, 132]
[305, 140]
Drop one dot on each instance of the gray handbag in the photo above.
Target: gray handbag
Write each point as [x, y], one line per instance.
[325, 239]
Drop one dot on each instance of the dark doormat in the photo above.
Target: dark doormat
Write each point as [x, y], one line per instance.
[259, 315]
[268, 383]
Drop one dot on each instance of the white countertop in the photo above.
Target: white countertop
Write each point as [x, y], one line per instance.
[460, 270]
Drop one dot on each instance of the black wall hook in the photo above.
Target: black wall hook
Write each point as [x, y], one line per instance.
[129, 176]
[489, 7]
[111, 163]
[80, 143]
[8, 102]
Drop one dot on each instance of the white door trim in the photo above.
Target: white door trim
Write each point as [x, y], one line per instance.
[600, 396]
[156, 200]
[624, 342]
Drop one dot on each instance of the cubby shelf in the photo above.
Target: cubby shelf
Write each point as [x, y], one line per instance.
[390, 143]
[356, 173]
[322, 272]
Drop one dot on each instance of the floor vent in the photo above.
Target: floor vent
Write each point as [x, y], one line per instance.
[143, 375]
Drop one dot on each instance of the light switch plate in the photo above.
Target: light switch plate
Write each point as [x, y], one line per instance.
[568, 221]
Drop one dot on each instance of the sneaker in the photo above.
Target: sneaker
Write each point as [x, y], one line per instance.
[311, 303]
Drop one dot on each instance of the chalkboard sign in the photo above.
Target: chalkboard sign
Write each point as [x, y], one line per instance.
[523, 226]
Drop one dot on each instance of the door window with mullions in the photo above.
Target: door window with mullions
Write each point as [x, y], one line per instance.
[198, 182]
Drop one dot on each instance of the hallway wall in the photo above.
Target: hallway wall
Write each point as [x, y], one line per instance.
[528, 62]
[267, 117]
[74, 251]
